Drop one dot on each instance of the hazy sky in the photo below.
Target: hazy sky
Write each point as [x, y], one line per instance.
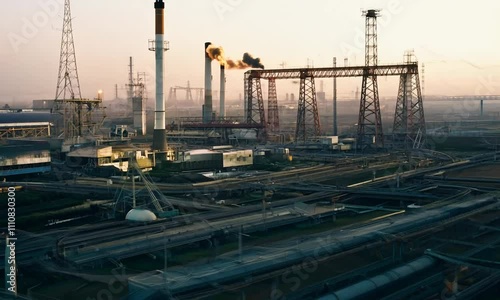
[458, 42]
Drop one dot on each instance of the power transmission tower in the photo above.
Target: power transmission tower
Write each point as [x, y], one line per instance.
[172, 96]
[370, 120]
[77, 112]
[68, 83]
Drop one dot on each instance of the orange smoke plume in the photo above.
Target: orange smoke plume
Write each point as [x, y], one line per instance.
[248, 61]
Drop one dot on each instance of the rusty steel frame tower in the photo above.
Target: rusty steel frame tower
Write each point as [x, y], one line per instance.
[77, 112]
[370, 120]
[308, 124]
[273, 121]
[255, 113]
[409, 120]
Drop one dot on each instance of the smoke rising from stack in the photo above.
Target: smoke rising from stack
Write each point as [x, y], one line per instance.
[248, 61]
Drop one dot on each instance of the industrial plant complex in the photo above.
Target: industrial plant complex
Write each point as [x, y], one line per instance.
[189, 193]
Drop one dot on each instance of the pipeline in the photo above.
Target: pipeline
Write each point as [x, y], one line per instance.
[367, 288]
[326, 245]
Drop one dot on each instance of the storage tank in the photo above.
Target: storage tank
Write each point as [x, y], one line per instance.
[140, 215]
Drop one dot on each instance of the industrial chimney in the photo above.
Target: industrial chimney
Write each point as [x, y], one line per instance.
[222, 91]
[207, 106]
[159, 134]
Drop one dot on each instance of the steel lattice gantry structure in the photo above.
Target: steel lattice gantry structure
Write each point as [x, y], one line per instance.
[24, 130]
[308, 124]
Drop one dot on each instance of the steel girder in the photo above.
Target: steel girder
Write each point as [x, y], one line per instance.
[331, 72]
[254, 108]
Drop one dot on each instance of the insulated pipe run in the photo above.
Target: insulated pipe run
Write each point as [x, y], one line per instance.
[207, 106]
[159, 134]
[366, 289]
[222, 113]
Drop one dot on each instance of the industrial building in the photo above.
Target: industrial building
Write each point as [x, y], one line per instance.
[282, 208]
[277, 153]
[24, 159]
[27, 124]
[205, 159]
[46, 105]
[109, 156]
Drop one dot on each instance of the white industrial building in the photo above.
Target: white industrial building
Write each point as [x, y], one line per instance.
[105, 156]
[24, 159]
[215, 159]
[25, 124]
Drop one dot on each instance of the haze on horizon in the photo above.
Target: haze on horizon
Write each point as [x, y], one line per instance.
[458, 43]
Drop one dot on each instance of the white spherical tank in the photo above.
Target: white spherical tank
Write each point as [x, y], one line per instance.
[140, 215]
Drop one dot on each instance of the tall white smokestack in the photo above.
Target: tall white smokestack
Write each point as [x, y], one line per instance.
[222, 91]
[159, 134]
[207, 106]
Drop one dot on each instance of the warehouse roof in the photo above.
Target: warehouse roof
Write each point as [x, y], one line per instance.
[28, 117]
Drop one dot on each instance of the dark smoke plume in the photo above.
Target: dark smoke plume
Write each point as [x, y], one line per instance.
[252, 62]
[239, 64]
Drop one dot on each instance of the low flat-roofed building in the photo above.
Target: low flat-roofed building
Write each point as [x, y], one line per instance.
[24, 130]
[43, 104]
[27, 124]
[205, 159]
[237, 158]
[105, 156]
[24, 159]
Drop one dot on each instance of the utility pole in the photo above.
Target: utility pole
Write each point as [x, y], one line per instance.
[240, 243]
[165, 257]
[370, 132]
[335, 100]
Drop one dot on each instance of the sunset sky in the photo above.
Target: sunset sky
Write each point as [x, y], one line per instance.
[458, 42]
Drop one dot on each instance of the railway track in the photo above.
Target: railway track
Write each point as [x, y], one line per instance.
[88, 236]
[105, 232]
